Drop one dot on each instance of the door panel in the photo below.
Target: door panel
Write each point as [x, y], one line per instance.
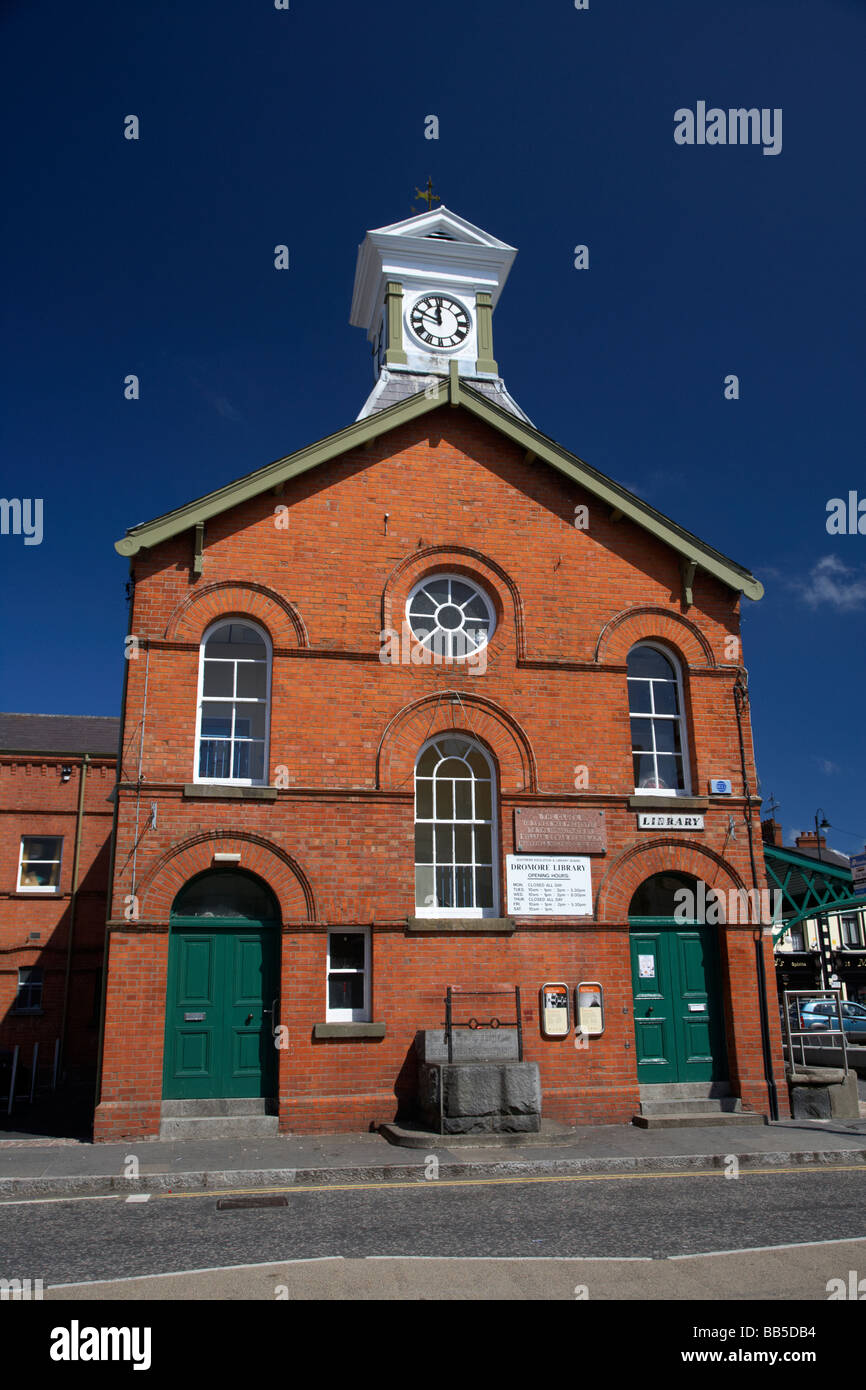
[227, 975]
[677, 1009]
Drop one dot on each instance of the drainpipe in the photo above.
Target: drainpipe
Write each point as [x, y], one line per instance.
[73, 903]
[741, 699]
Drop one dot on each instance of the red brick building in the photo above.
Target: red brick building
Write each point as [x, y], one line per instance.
[57, 775]
[351, 673]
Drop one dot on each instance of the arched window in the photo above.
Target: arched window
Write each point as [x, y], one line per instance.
[658, 741]
[455, 843]
[234, 687]
[225, 893]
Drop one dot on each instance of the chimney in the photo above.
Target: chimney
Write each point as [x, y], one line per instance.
[809, 840]
[771, 832]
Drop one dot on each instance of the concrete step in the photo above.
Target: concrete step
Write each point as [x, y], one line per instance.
[711, 1117]
[724, 1105]
[187, 1109]
[219, 1127]
[686, 1090]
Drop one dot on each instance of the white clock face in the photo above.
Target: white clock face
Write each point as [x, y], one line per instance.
[440, 321]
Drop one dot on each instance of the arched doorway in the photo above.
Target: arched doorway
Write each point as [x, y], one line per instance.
[676, 985]
[223, 971]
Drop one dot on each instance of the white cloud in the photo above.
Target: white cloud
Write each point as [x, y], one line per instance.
[831, 582]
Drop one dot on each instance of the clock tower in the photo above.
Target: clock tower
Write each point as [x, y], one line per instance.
[425, 291]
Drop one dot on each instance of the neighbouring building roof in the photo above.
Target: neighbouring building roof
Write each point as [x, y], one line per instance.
[59, 733]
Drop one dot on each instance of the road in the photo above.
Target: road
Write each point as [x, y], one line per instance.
[638, 1236]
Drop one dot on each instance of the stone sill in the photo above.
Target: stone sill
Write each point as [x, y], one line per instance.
[669, 803]
[348, 1030]
[214, 790]
[501, 925]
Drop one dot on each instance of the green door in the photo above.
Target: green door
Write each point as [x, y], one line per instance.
[678, 1023]
[222, 979]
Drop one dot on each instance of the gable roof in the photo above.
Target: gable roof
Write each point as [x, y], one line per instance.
[694, 553]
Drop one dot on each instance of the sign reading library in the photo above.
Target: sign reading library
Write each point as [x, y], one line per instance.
[549, 885]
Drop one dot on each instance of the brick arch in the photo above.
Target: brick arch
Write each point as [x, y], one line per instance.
[194, 855]
[227, 597]
[662, 855]
[462, 559]
[472, 715]
[648, 623]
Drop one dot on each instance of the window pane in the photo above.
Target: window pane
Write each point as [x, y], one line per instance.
[463, 879]
[483, 851]
[249, 761]
[445, 887]
[453, 767]
[460, 592]
[216, 720]
[639, 697]
[482, 801]
[424, 800]
[40, 875]
[215, 758]
[478, 764]
[219, 678]
[347, 950]
[42, 848]
[670, 771]
[444, 846]
[424, 894]
[235, 639]
[444, 801]
[224, 893]
[252, 679]
[453, 748]
[665, 697]
[422, 604]
[463, 800]
[427, 763]
[462, 844]
[423, 844]
[644, 770]
[667, 735]
[646, 661]
[641, 735]
[438, 590]
[345, 991]
[476, 613]
[483, 887]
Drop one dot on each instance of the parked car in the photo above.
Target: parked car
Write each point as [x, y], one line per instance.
[815, 1014]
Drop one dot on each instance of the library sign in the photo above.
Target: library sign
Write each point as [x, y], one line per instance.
[548, 885]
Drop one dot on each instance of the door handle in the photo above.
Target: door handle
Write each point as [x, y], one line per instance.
[273, 1011]
[249, 1018]
[650, 1009]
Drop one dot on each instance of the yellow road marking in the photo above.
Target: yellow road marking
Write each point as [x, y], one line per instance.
[422, 1183]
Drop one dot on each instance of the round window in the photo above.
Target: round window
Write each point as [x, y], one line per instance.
[450, 616]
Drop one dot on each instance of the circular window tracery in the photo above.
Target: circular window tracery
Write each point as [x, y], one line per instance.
[450, 615]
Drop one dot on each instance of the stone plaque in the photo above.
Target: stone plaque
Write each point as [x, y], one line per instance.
[669, 820]
[548, 886]
[565, 831]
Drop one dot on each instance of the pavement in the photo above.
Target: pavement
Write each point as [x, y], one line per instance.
[47, 1167]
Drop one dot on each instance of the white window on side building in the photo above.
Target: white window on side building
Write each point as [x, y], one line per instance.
[39, 864]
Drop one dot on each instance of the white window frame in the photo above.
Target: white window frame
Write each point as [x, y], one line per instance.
[52, 888]
[858, 920]
[263, 781]
[460, 579]
[29, 985]
[493, 911]
[361, 1015]
[686, 790]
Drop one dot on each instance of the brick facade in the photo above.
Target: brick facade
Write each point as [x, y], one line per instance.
[335, 845]
[35, 800]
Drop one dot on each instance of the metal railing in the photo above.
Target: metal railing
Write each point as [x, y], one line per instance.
[837, 1036]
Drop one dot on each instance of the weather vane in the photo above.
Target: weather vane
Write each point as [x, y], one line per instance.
[427, 196]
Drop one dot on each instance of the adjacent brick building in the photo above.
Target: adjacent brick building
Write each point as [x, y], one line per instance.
[57, 775]
[315, 821]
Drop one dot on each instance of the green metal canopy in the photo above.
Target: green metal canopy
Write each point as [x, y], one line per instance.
[808, 886]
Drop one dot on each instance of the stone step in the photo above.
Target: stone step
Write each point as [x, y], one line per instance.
[177, 1109]
[723, 1105]
[686, 1090]
[219, 1127]
[711, 1117]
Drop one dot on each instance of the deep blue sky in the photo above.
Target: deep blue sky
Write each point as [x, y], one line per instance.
[306, 127]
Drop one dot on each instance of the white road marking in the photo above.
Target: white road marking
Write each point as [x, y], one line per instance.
[763, 1249]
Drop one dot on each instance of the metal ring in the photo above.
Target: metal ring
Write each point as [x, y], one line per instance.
[494, 1023]
[473, 1023]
